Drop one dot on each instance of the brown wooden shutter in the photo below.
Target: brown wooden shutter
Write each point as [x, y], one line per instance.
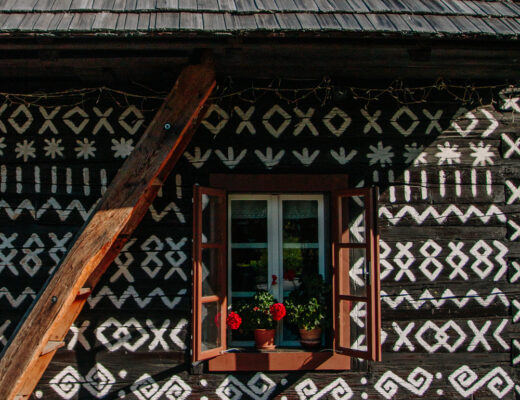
[209, 273]
[356, 302]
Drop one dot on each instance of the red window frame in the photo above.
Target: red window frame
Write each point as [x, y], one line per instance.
[218, 211]
[339, 358]
[341, 244]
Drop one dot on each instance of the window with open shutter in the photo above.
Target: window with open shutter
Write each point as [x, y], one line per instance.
[274, 221]
[209, 275]
[357, 310]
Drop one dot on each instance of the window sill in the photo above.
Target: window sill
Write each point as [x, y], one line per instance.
[280, 360]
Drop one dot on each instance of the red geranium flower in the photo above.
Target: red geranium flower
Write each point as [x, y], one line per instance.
[233, 320]
[274, 279]
[277, 311]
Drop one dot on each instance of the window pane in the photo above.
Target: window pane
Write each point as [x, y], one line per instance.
[248, 269]
[300, 221]
[355, 337]
[212, 229]
[359, 273]
[353, 219]
[300, 240]
[249, 245]
[210, 325]
[298, 262]
[210, 273]
[249, 221]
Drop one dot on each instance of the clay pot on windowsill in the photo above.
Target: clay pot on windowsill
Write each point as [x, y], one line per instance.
[264, 339]
[310, 338]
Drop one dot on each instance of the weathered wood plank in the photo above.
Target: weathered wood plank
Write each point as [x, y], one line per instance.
[123, 206]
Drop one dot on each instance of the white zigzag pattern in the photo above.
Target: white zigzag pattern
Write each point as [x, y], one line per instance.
[16, 301]
[131, 293]
[158, 216]
[76, 205]
[459, 300]
[51, 203]
[440, 218]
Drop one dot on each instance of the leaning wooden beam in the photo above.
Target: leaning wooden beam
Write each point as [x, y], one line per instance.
[124, 204]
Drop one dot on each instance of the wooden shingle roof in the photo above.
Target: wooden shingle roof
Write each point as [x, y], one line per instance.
[127, 17]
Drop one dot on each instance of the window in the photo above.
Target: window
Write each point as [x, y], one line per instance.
[257, 221]
[272, 237]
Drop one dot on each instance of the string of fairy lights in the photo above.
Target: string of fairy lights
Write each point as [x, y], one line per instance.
[324, 91]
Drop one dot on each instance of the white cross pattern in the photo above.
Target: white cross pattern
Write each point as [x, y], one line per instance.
[371, 124]
[305, 121]
[456, 252]
[404, 251]
[434, 121]
[245, 120]
[431, 250]
[403, 336]
[514, 146]
[479, 336]
[515, 192]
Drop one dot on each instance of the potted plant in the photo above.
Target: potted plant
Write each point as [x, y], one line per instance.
[306, 309]
[260, 315]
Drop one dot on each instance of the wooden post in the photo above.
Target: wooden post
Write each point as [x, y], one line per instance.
[124, 204]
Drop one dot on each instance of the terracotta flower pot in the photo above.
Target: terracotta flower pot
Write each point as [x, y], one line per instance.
[264, 339]
[310, 338]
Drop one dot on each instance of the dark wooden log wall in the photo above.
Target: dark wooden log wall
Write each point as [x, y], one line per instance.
[449, 174]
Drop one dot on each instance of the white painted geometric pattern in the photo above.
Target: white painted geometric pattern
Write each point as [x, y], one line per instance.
[333, 115]
[440, 218]
[467, 382]
[398, 125]
[146, 388]
[443, 299]
[259, 387]
[337, 390]
[487, 260]
[98, 382]
[515, 309]
[515, 353]
[133, 335]
[131, 293]
[417, 383]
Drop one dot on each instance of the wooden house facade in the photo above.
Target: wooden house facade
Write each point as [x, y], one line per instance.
[313, 100]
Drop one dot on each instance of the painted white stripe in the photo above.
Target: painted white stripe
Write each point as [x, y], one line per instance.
[392, 187]
[3, 178]
[489, 183]
[424, 185]
[474, 182]
[18, 180]
[54, 178]
[178, 182]
[37, 180]
[407, 189]
[68, 179]
[442, 183]
[375, 176]
[458, 180]
[103, 177]
[86, 182]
